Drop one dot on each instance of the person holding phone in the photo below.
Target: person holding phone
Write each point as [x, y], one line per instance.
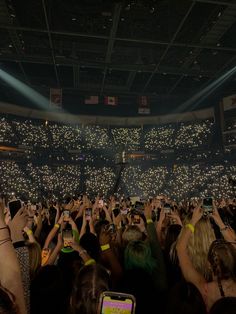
[145, 273]
[116, 302]
[87, 221]
[221, 258]
[10, 274]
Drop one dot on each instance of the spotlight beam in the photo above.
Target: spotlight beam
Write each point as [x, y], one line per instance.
[208, 90]
[39, 100]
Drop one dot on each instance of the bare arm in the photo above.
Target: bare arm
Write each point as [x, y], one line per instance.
[53, 232]
[84, 225]
[108, 256]
[39, 225]
[30, 235]
[159, 225]
[10, 274]
[227, 232]
[53, 256]
[189, 272]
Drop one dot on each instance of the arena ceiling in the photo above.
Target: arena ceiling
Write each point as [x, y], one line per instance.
[167, 49]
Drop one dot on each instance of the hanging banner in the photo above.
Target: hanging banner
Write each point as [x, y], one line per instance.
[56, 97]
[91, 100]
[111, 100]
[229, 102]
[143, 105]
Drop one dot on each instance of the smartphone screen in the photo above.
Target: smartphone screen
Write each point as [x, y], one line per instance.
[208, 205]
[66, 215]
[124, 211]
[167, 209]
[139, 205]
[14, 206]
[88, 213]
[67, 237]
[100, 203]
[114, 302]
[111, 228]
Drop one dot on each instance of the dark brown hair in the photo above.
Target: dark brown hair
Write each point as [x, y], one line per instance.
[90, 282]
[222, 257]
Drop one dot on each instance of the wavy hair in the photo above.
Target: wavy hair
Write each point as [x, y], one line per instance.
[198, 247]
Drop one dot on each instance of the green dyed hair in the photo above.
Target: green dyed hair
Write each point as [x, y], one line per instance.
[138, 255]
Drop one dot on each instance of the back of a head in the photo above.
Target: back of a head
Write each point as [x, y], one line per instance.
[225, 305]
[222, 257]
[131, 233]
[198, 246]
[138, 256]
[7, 302]
[185, 298]
[91, 244]
[172, 234]
[142, 285]
[48, 292]
[35, 257]
[90, 282]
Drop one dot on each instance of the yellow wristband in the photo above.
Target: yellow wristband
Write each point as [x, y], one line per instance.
[29, 232]
[149, 221]
[57, 226]
[90, 262]
[105, 247]
[191, 227]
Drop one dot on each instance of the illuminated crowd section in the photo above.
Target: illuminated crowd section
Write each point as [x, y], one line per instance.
[37, 133]
[70, 159]
[57, 181]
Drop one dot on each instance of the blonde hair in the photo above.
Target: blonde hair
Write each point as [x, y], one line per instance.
[131, 233]
[35, 257]
[198, 247]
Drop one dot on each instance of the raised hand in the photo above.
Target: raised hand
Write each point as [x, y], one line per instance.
[148, 211]
[104, 237]
[17, 225]
[197, 215]
[175, 216]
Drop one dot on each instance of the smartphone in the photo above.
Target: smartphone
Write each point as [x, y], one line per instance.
[34, 208]
[111, 228]
[67, 236]
[139, 205]
[100, 203]
[124, 211]
[208, 205]
[115, 302]
[116, 211]
[14, 206]
[167, 209]
[66, 215]
[136, 219]
[88, 213]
